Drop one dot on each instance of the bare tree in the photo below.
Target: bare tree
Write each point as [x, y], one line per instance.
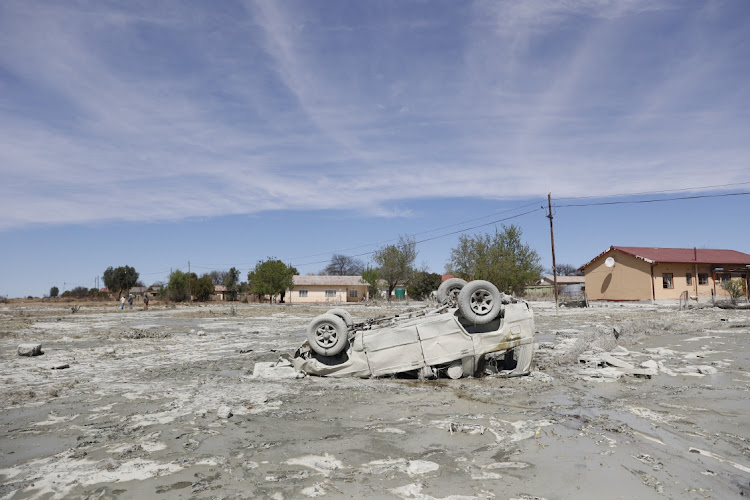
[343, 265]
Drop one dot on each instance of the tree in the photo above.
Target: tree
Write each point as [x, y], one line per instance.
[566, 270]
[395, 262]
[271, 277]
[179, 286]
[500, 259]
[217, 277]
[422, 284]
[120, 278]
[79, 292]
[342, 265]
[203, 288]
[371, 276]
[54, 292]
[735, 288]
[231, 282]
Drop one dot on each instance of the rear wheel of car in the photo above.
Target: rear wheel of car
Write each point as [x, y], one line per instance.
[449, 289]
[479, 302]
[327, 334]
[343, 314]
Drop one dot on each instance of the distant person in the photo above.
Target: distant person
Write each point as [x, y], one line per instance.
[122, 302]
[130, 301]
[145, 302]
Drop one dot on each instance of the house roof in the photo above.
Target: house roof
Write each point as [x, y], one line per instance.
[564, 280]
[681, 255]
[328, 281]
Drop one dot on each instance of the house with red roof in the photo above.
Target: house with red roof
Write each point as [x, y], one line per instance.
[643, 273]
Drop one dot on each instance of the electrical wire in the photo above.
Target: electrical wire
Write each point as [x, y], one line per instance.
[656, 200]
[699, 188]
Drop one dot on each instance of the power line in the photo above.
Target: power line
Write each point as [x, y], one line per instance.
[656, 200]
[438, 236]
[698, 188]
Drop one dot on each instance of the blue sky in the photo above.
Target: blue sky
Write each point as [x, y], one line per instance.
[154, 134]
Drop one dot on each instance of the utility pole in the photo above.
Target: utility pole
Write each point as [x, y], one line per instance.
[552, 239]
[190, 291]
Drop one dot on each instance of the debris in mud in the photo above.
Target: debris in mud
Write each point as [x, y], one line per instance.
[224, 412]
[30, 349]
[60, 366]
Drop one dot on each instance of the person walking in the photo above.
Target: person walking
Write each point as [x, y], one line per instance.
[122, 302]
[130, 301]
[145, 302]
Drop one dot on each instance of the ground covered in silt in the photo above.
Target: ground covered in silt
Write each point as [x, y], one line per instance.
[136, 404]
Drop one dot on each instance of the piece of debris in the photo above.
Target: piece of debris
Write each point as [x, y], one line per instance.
[224, 412]
[281, 369]
[60, 366]
[245, 351]
[650, 364]
[30, 350]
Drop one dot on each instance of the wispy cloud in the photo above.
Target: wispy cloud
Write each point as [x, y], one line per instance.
[167, 111]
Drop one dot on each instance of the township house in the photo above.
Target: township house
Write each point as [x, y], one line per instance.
[642, 273]
[309, 289]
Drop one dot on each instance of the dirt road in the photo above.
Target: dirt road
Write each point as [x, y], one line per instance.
[136, 412]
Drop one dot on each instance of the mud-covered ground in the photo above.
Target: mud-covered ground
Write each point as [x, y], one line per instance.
[135, 413]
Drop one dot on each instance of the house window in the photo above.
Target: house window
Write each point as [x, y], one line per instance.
[666, 280]
[703, 278]
[352, 294]
[726, 277]
[689, 278]
[303, 293]
[330, 294]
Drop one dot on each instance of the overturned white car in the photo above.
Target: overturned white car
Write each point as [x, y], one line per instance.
[477, 330]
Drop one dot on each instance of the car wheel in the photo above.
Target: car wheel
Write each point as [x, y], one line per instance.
[327, 334]
[449, 289]
[479, 302]
[343, 314]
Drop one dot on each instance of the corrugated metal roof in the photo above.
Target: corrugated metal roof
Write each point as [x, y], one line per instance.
[681, 255]
[328, 281]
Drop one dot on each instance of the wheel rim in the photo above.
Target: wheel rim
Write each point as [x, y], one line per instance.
[481, 302]
[325, 335]
[453, 292]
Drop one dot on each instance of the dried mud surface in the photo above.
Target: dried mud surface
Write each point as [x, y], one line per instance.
[135, 414]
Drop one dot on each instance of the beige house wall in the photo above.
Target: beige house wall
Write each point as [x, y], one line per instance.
[631, 279]
[628, 279]
[317, 294]
[679, 281]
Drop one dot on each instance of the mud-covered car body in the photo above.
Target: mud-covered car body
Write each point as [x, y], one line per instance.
[436, 342]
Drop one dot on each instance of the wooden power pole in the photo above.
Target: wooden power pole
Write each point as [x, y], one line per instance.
[552, 239]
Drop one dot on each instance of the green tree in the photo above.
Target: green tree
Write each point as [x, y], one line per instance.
[180, 285]
[79, 292]
[231, 283]
[501, 259]
[271, 277]
[343, 265]
[422, 284]
[54, 292]
[735, 288]
[203, 288]
[120, 278]
[371, 276]
[395, 262]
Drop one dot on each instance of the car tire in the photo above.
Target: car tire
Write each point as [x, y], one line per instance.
[449, 289]
[327, 334]
[479, 302]
[343, 314]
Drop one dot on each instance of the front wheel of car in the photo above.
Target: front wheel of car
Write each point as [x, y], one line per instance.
[327, 334]
[343, 314]
[479, 302]
[449, 289]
